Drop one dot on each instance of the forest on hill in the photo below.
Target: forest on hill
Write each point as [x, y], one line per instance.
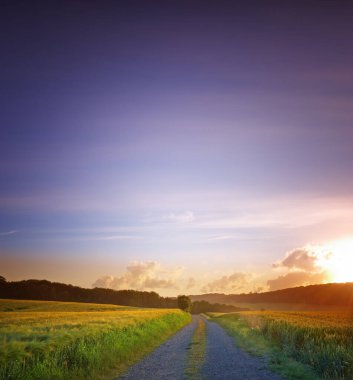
[335, 294]
[54, 291]
[338, 295]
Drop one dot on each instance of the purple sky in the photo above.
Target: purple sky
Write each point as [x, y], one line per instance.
[208, 138]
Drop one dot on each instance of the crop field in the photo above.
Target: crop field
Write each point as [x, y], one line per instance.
[270, 306]
[65, 340]
[49, 306]
[321, 340]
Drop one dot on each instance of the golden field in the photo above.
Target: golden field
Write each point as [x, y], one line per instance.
[321, 340]
[60, 340]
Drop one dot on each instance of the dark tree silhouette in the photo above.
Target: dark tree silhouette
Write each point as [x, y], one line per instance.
[54, 291]
[184, 303]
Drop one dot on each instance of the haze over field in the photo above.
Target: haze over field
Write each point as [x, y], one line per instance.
[180, 146]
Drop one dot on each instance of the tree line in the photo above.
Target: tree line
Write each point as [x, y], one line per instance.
[55, 291]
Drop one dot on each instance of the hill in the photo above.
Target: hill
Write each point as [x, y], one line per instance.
[333, 295]
[199, 307]
[53, 291]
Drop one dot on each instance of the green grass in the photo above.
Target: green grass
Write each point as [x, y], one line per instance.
[300, 345]
[196, 352]
[60, 340]
[8, 305]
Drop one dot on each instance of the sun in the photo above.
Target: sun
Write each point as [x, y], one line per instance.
[340, 261]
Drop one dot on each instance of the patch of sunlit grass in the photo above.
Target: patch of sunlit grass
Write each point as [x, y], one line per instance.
[322, 340]
[74, 340]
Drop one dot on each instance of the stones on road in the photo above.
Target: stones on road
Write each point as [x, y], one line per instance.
[224, 361]
[167, 361]
[201, 350]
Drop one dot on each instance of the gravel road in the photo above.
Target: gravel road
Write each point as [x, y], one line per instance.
[167, 361]
[223, 360]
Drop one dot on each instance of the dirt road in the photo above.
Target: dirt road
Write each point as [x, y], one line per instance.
[220, 359]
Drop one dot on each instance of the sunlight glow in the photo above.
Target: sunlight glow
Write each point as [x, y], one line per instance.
[340, 261]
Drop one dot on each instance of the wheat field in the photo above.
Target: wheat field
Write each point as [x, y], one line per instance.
[322, 340]
[61, 340]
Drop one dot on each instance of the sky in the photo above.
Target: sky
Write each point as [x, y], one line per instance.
[176, 146]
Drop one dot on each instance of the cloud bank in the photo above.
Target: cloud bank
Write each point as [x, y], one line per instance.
[302, 266]
[235, 282]
[141, 275]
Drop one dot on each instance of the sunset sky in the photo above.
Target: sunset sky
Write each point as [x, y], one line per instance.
[176, 146]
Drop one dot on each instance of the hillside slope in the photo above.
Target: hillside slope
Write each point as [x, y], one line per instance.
[340, 295]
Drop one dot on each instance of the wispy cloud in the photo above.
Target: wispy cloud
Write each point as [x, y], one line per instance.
[181, 217]
[117, 237]
[8, 233]
[220, 238]
[102, 238]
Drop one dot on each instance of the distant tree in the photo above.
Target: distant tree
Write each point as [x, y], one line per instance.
[184, 303]
[2, 279]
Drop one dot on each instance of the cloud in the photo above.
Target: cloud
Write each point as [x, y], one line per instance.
[191, 283]
[8, 233]
[220, 237]
[235, 282]
[300, 259]
[293, 279]
[182, 217]
[141, 275]
[102, 238]
[117, 237]
[305, 266]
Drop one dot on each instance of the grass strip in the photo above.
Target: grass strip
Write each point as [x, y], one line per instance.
[254, 342]
[196, 352]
